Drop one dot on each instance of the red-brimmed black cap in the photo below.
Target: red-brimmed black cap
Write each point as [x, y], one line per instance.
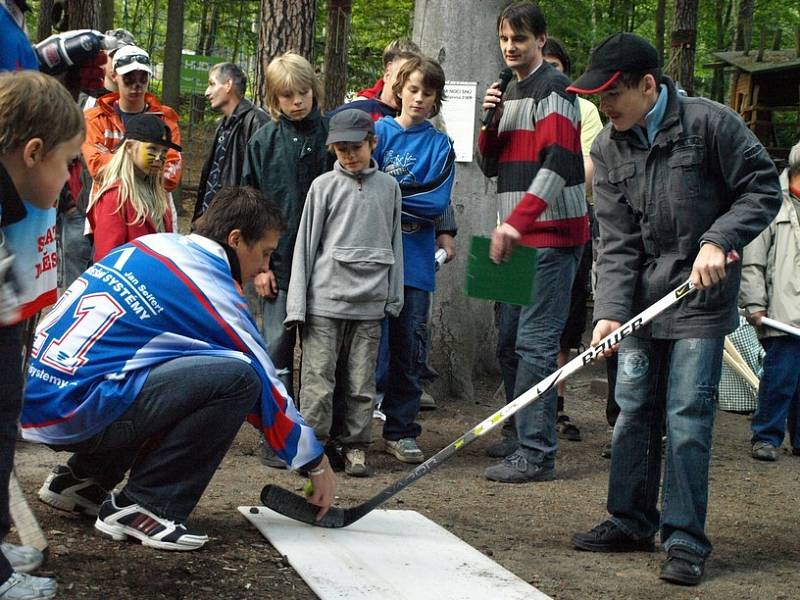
[617, 54]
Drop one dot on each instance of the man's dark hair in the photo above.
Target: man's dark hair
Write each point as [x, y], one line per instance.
[523, 16]
[553, 47]
[631, 79]
[242, 208]
[228, 71]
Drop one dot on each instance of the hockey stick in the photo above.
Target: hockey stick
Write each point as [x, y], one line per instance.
[28, 528]
[296, 507]
[780, 326]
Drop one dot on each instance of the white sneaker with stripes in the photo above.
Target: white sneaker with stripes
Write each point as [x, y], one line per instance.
[134, 521]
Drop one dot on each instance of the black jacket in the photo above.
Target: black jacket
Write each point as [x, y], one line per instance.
[248, 119]
[705, 178]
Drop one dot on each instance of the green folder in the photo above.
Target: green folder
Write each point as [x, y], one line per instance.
[511, 281]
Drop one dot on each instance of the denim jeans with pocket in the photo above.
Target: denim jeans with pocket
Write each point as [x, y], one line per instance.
[538, 342]
[677, 379]
[174, 435]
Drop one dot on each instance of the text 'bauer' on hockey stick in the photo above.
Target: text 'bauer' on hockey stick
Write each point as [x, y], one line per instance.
[296, 507]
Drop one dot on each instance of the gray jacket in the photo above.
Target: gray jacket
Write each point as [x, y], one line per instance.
[348, 257]
[705, 178]
[771, 270]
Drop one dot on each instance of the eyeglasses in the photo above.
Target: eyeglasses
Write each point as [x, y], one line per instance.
[122, 61]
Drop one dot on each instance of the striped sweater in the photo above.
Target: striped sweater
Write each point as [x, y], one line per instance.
[535, 152]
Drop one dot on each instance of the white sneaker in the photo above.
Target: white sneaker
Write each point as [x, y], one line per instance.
[404, 450]
[135, 521]
[22, 558]
[21, 586]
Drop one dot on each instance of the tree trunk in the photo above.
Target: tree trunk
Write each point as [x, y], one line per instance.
[285, 25]
[151, 38]
[106, 15]
[171, 90]
[661, 18]
[682, 50]
[463, 334]
[335, 68]
[724, 9]
[83, 14]
[744, 25]
[45, 26]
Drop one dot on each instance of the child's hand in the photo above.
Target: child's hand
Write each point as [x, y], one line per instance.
[448, 244]
[266, 284]
[504, 238]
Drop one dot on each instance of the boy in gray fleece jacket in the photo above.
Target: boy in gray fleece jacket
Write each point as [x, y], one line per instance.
[347, 275]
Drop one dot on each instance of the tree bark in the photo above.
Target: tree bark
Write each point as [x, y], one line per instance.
[171, 90]
[285, 25]
[106, 15]
[661, 18]
[83, 14]
[335, 68]
[744, 25]
[44, 27]
[724, 9]
[682, 50]
[463, 334]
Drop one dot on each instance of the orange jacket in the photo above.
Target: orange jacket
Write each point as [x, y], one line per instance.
[104, 127]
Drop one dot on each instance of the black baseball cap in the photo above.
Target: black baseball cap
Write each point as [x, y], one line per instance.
[349, 125]
[150, 129]
[617, 54]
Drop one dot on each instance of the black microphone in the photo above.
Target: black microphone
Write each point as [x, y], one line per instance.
[505, 77]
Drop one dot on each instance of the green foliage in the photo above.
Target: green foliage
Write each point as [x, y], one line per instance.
[374, 24]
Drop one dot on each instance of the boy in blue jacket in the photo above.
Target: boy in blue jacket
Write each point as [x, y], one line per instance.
[422, 161]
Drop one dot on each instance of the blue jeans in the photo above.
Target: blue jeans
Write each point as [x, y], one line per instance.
[174, 435]
[538, 342]
[654, 377]
[779, 393]
[408, 335]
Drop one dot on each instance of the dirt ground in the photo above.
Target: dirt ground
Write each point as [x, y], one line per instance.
[753, 519]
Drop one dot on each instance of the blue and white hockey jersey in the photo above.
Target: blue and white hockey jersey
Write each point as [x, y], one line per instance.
[160, 297]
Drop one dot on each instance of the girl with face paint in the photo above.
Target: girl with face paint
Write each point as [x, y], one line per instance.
[129, 199]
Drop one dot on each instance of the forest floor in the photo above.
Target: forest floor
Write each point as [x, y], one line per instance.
[753, 520]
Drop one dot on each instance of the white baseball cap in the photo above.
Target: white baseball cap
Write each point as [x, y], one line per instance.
[131, 58]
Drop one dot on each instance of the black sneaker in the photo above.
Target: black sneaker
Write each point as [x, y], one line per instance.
[121, 522]
[608, 537]
[64, 491]
[682, 566]
[505, 447]
[268, 457]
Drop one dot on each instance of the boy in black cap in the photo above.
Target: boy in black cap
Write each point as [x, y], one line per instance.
[678, 183]
[347, 275]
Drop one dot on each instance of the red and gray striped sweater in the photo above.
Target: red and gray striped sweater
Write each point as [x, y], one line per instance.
[535, 152]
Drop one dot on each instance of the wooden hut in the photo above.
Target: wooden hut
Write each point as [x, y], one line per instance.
[765, 90]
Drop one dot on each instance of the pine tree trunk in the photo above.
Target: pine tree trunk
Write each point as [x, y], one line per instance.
[682, 51]
[336, 37]
[463, 334]
[285, 25]
[744, 25]
[106, 15]
[83, 14]
[172, 55]
[45, 26]
[661, 18]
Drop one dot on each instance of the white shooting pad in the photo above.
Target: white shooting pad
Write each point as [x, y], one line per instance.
[388, 555]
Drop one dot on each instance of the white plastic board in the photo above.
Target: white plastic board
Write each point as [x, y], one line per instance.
[387, 555]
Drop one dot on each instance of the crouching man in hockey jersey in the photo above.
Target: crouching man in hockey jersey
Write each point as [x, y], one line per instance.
[149, 364]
